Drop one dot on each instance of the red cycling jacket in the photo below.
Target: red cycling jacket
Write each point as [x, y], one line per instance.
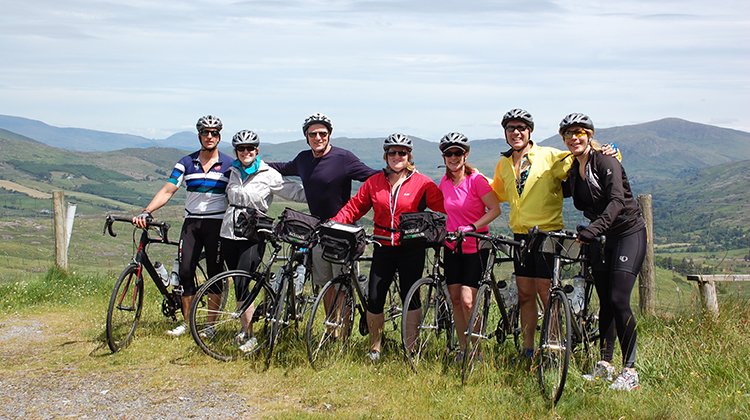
[416, 193]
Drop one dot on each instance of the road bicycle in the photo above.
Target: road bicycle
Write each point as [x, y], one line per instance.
[126, 302]
[491, 321]
[330, 323]
[563, 329]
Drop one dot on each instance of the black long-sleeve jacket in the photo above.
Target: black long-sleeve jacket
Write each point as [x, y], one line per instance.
[614, 211]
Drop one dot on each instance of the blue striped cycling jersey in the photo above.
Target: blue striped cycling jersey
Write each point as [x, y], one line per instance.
[206, 191]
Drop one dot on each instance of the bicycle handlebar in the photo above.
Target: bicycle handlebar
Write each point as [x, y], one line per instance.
[109, 220]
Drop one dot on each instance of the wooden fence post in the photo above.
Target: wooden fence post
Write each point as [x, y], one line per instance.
[61, 248]
[646, 279]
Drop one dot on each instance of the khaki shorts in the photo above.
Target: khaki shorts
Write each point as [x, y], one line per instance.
[322, 270]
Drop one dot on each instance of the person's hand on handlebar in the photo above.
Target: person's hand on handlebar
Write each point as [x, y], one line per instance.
[467, 228]
[142, 219]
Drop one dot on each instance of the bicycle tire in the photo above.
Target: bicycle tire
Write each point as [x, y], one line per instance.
[123, 316]
[393, 306]
[482, 315]
[435, 334]
[555, 347]
[277, 320]
[588, 325]
[216, 318]
[327, 335]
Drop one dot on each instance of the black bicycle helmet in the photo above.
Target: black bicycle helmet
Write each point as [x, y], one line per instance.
[518, 114]
[317, 118]
[576, 118]
[397, 139]
[245, 137]
[209, 122]
[454, 139]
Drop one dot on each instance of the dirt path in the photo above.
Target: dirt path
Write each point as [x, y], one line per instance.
[46, 373]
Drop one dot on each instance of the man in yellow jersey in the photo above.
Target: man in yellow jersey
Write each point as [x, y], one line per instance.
[529, 178]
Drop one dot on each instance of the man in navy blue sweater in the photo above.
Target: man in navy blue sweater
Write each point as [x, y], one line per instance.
[327, 173]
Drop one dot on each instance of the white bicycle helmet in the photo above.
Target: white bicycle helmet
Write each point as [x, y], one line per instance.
[397, 139]
[454, 139]
[317, 118]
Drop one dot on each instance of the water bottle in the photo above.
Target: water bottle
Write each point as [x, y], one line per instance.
[363, 284]
[577, 295]
[161, 271]
[276, 280]
[504, 292]
[299, 279]
[513, 290]
[174, 276]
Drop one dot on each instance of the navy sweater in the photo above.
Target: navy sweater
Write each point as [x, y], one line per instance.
[327, 180]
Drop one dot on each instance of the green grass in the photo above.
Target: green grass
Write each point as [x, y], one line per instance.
[689, 365]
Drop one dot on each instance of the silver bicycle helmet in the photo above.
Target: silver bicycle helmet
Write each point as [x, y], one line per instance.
[317, 118]
[397, 139]
[246, 137]
[518, 114]
[209, 121]
[454, 139]
[576, 118]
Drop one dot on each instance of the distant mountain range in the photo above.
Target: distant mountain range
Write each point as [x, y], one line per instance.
[698, 173]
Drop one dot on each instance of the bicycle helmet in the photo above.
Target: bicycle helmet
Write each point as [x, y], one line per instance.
[397, 139]
[245, 137]
[454, 139]
[518, 114]
[317, 118]
[209, 121]
[576, 118]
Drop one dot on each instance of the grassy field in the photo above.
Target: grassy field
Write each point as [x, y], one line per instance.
[690, 366]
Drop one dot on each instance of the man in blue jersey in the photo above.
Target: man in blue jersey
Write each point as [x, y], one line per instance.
[327, 173]
[204, 174]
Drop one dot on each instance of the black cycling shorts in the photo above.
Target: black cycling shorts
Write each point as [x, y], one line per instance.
[535, 264]
[465, 269]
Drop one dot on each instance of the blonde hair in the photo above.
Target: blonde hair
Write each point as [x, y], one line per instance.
[409, 164]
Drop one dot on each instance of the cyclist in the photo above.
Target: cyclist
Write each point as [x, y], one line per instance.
[327, 173]
[529, 177]
[395, 190]
[252, 184]
[601, 190]
[470, 205]
[204, 174]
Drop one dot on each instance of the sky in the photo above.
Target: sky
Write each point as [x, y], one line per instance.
[420, 67]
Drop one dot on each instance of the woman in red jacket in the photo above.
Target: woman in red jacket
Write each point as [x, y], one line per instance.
[398, 189]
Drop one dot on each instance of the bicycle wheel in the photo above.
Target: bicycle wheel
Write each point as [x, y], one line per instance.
[484, 322]
[124, 309]
[326, 335]
[554, 346]
[278, 319]
[393, 306]
[434, 336]
[220, 323]
[588, 325]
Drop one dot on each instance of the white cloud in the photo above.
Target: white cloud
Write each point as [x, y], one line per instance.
[425, 67]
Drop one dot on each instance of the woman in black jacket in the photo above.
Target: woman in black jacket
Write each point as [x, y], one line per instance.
[601, 190]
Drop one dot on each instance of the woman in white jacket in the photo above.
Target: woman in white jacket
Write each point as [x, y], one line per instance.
[252, 185]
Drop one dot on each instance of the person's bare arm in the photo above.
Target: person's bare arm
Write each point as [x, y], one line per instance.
[160, 199]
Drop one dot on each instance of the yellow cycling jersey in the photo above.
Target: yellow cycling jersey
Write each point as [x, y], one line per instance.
[541, 202]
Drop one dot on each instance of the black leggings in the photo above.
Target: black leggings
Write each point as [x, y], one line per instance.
[614, 279]
[614, 291]
[386, 260]
[196, 235]
[241, 255]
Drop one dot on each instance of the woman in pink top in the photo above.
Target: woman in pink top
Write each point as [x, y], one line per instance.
[470, 205]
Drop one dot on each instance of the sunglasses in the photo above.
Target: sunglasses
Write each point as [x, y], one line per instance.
[245, 148]
[397, 152]
[451, 154]
[569, 134]
[206, 133]
[314, 134]
[521, 128]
